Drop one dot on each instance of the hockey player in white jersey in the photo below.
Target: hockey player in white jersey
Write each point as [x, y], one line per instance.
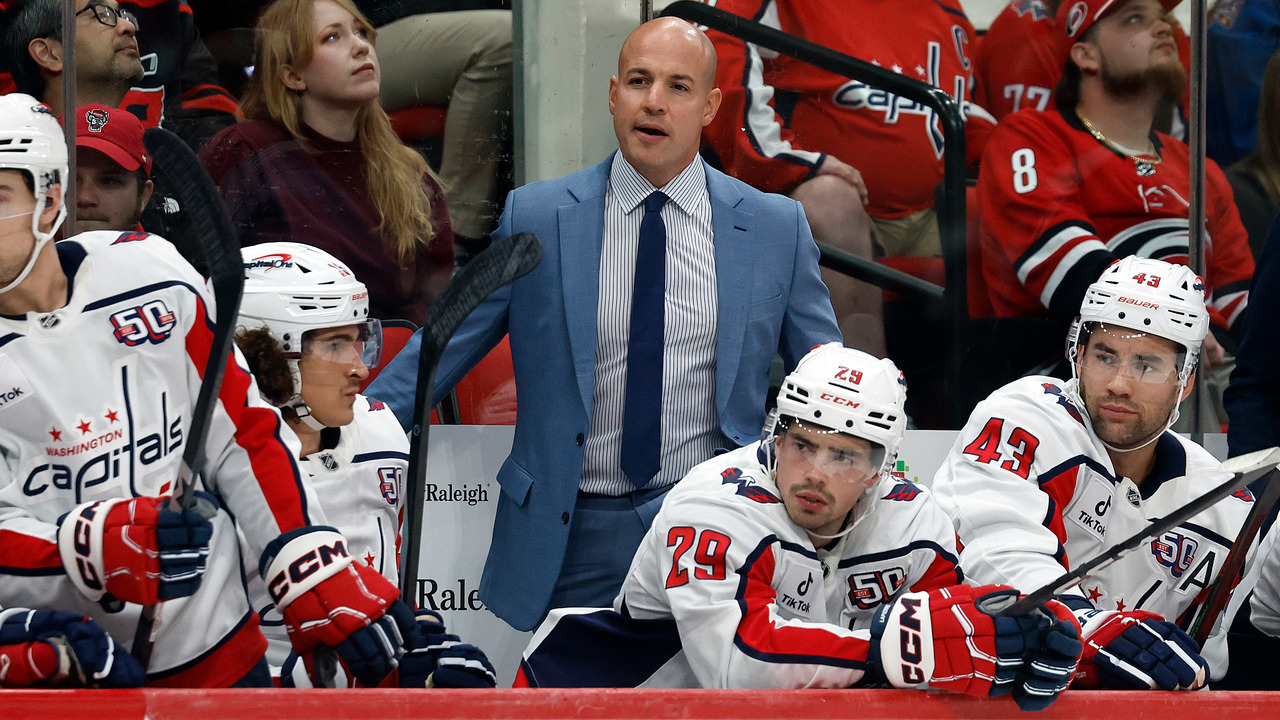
[103, 341]
[1049, 473]
[802, 561]
[305, 331]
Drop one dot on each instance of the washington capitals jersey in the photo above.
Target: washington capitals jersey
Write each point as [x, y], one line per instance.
[97, 402]
[753, 603]
[1032, 491]
[780, 117]
[1058, 206]
[360, 484]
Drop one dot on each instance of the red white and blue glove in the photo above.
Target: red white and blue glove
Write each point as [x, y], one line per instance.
[136, 549]
[951, 639]
[1138, 650]
[50, 648]
[326, 599]
[442, 660]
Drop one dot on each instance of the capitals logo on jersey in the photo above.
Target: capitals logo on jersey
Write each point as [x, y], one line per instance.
[1061, 397]
[389, 483]
[746, 488]
[1174, 551]
[152, 322]
[130, 237]
[903, 492]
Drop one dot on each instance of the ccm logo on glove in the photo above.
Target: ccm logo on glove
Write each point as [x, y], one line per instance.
[320, 562]
[909, 636]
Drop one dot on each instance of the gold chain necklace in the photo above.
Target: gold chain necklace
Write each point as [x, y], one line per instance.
[1144, 163]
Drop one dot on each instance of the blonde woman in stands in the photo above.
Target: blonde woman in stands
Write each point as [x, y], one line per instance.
[317, 161]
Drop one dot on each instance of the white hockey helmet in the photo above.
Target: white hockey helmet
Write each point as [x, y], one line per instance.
[291, 289]
[31, 140]
[850, 392]
[1150, 296]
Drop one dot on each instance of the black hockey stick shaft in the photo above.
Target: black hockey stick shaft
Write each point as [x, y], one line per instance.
[220, 249]
[1244, 470]
[502, 262]
[1220, 591]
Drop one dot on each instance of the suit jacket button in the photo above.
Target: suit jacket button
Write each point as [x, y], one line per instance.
[564, 518]
[580, 439]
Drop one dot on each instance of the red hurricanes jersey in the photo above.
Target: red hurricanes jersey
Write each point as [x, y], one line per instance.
[780, 117]
[1058, 206]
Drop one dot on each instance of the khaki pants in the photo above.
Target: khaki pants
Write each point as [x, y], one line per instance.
[914, 235]
[463, 60]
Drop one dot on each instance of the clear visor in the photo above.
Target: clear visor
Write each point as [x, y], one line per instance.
[346, 343]
[1099, 358]
[836, 459]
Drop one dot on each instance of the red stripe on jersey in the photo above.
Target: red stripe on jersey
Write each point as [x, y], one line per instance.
[941, 573]
[27, 552]
[757, 631]
[226, 664]
[1060, 489]
[257, 430]
[209, 97]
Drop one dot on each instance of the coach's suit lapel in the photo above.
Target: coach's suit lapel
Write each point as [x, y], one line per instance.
[581, 237]
[733, 237]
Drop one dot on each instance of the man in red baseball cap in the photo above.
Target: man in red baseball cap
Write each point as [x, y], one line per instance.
[1063, 194]
[113, 169]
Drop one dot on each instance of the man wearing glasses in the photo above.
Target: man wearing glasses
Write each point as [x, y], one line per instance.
[107, 59]
[1047, 474]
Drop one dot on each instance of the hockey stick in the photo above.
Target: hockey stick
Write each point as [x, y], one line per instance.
[1244, 470]
[503, 262]
[219, 247]
[1220, 591]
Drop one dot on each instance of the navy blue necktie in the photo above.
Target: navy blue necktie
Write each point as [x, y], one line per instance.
[642, 411]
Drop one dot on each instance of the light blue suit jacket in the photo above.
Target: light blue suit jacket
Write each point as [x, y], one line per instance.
[771, 300]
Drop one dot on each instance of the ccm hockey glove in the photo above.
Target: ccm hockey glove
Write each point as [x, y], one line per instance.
[442, 660]
[49, 648]
[137, 549]
[949, 639]
[326, 599]
[1138, 650]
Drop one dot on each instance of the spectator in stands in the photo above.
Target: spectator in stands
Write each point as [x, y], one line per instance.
[1020, 60]
[624, 385]
[1255, 181]
[178, 89]
[113, 169]
[318, 159]
[1064, 193]
[306, 334]
[108, 61]
[845, 150]
[455, 53]
[1241, 36]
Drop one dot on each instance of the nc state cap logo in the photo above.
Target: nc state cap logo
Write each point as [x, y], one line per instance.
[97, 119]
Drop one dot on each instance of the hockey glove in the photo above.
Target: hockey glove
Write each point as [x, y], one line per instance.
[138, 550]
[949, 639]
[1051, 662]
[442, 660]
[1137, 650]
[327, 599]
[49, 648]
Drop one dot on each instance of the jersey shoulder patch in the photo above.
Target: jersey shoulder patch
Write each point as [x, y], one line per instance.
[132, 236]
[904, 492]
[1060, 397]
[746, 487]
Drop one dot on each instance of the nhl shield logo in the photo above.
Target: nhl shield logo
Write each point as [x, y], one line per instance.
[390, 479]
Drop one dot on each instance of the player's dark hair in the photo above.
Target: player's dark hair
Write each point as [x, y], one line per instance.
[267, 363]
[30, 20]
